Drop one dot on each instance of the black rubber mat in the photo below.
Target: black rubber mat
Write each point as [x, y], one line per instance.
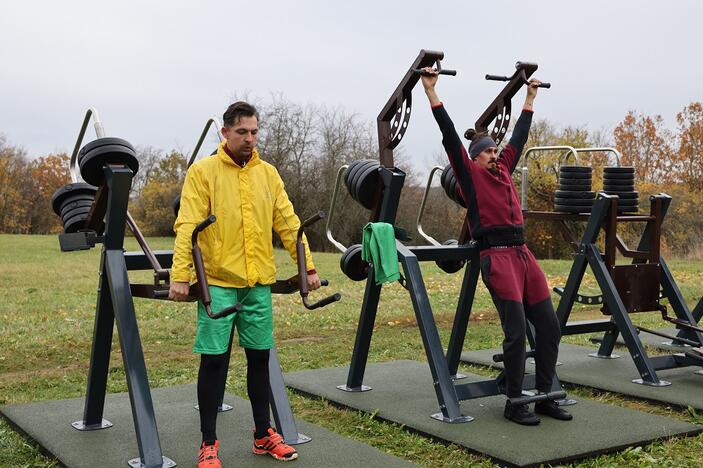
[614, 375]
[403, 393]
[49, 424]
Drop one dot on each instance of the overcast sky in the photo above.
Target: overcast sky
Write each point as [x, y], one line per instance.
[156, 70]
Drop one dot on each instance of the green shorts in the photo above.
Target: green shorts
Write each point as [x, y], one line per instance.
[254, 323]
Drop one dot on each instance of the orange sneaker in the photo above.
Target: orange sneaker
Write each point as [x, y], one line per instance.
[273, 445]
[208, 456]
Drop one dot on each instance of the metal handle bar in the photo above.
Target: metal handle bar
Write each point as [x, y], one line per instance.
[439, 72]
[508, 78]
[523, 169]
[602, 150]
[99, 132]
[302, 266]
[199, 266]
[333, 203]
[211, 121]
[427, 237]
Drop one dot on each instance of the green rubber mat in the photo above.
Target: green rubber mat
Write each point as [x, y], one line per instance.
[49, 424]
[403, 393]
[613, 375]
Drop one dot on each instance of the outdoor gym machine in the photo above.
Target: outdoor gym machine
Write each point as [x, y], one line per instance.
[109, 165]
[377, 187]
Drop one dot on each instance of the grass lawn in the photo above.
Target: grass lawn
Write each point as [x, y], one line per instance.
[46, 325]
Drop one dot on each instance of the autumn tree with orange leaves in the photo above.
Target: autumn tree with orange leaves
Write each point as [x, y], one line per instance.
[645, 143]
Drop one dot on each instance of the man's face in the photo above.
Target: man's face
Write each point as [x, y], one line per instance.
[488, 159]
[241, 136]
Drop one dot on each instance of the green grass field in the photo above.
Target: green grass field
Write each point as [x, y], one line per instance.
[47, 311]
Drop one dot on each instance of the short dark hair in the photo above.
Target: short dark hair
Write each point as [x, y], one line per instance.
[236, 111]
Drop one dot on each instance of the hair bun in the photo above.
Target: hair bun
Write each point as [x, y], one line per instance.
[470, 134]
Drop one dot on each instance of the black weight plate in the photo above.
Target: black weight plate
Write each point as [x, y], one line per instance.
[618, 169]
[574, 188]
[572, 209]
[576, 169]
[366, 186]
[618, 184]
[572, 181]
[352, 265]
[449, 184]
[95, 160]
[618, 188]
[627, 195]
[456, 195]
[619, 175]
[618, 181]
[352, 167]
[450, 266]
[76, 211]
[574, 175]
[351, 170]
[354, 177]
[357, 179]
[74, 223]
[445, 173]
[577, 194]
[574, 201]
[75, 202]
[106, 141]
[69, 191]
[628, 201]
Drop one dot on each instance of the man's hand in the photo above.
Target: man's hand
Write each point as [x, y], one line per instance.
[178, 291]
[531, 94]
[313, 281]
[429, 83]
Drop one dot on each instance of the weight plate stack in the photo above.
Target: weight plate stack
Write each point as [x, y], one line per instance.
[93, 157]
[450, 184]
[352, 265]
[72, 203]
[361, 180]
[620, 181]
[574, 193]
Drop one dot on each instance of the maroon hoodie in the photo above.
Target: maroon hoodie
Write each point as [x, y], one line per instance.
[495, 217]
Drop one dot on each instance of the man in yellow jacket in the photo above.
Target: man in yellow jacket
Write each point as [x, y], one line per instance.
[248, 198]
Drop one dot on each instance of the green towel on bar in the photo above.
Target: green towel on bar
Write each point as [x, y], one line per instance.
[378, 248]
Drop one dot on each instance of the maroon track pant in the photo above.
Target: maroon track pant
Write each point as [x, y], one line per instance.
[519, 291]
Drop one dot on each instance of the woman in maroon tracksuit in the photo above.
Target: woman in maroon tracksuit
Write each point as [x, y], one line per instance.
[508, 268]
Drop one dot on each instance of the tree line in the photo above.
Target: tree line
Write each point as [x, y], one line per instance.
[309, 143]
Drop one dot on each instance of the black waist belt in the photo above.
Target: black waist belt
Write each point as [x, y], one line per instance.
[502, 239]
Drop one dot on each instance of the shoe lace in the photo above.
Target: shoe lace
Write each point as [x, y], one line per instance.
[208, 452]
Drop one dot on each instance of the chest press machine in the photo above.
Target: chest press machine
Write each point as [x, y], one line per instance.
[95, 211]
[377, 186]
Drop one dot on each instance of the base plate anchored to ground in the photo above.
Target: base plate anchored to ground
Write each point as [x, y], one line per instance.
[80, 425]
[137, 463]
[362, 388]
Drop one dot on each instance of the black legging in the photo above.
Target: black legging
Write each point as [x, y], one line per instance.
[212, 377]
[542, 316]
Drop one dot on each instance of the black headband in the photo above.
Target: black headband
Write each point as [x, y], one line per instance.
[483, 143]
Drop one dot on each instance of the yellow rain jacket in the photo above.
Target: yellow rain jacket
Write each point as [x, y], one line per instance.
[249, 203]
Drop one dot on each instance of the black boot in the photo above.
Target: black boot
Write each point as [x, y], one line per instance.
[520, 414]
[553, 410]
